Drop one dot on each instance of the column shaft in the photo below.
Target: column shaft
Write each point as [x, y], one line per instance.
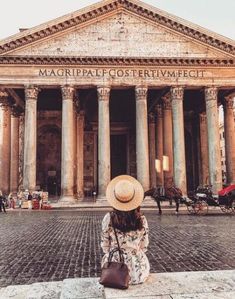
[159, 144]
[67, 150]
[14, 171]
[5, 141]
[103, 140]
[142, 148]
[204, 178]
[30, 138]
[213, 139]
[229, 131]
[177, 95]
[80, 154]
[152, 151]
[168, 139]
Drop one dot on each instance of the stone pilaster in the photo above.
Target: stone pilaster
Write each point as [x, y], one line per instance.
[168, 139]
[30, 138]
[229, 132]
[142, 148]
[103, 140]
[5, 142]
[152, 151]
[159, 143]
[204, 178]
[14, 168]
[213, 138]
[80, 154]
[67, 149]
[177, 97]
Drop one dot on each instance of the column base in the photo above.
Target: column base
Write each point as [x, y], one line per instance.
[67, 200]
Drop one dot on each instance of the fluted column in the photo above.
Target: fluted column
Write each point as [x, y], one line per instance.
[30, 138]
[168, 139]
[142, 148]
[5, 141]
[159, 143]
[103, 140]
[67, 149]
[80, 154]
[14, 169]
[204, 177]
[152, 151]
[229, 132]
[177, 96]
[213, 138]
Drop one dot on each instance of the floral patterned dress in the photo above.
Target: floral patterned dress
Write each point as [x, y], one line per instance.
[134, 245]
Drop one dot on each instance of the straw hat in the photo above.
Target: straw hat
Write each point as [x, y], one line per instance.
[124, 193]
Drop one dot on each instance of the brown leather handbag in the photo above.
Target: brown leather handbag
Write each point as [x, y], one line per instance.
[115, 274]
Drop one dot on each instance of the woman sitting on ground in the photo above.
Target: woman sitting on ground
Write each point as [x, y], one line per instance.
[125, 194]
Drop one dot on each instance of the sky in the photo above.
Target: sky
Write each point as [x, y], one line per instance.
[216, 15]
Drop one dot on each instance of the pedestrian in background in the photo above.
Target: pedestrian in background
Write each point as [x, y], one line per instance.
[2, 202]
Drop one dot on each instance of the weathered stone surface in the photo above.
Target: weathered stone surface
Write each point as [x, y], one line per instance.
[82, 288]
[115, 36]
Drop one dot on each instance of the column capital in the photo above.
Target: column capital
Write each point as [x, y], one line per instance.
[158, 111]
[141, 93]
[3, 98]
[151, 118]
[229, 102]
[31, 92]
[167, 101]
[103, 93]
[15, 113]
[177, 93]
[211, 93]
[202, 117]
[67, 92]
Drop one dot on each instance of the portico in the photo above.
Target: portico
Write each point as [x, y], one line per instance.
[89, 116]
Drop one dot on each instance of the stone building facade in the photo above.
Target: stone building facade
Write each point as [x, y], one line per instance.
[109, 89]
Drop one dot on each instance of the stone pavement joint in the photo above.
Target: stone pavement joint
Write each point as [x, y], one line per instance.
[183, 285]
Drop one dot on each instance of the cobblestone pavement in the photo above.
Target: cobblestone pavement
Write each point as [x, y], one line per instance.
[53, 245]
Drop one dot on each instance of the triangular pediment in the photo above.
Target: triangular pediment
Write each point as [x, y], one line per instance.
[119, 28]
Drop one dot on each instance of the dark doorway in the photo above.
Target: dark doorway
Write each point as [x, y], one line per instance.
[118, 155]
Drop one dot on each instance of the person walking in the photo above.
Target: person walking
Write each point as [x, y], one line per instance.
[2, 202]
[125, 194]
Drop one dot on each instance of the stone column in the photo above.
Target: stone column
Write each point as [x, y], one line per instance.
[168, 139]
[67, 149]
[152, 151]
[159, 143]
[229, 132]
[177, 96]
[80, 154]
[5, 142]
[142, 148]
[30, 138]
[103, 140]
[14, 169]
[204, 178]
[213, 139]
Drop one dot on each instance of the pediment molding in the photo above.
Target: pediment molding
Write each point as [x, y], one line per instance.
[105, 7]
[53, 60]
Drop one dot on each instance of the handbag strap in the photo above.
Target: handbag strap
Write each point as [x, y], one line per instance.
[119, 248]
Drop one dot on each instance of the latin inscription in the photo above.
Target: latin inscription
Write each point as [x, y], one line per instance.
[121, 73]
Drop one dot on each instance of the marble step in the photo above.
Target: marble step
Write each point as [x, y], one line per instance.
[181, 285]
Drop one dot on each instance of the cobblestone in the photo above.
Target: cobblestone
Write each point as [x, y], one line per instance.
[41, 246]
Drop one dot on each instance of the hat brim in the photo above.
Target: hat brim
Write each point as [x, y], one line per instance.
[125, 206]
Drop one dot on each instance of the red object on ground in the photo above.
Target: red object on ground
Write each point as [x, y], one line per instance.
[226, 190]
[46, 206]
[35, 204]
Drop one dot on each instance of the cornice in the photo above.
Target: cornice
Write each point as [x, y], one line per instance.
[105, 7]
[115, 61]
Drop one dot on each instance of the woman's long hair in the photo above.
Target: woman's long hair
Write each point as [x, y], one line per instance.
[127, 221]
